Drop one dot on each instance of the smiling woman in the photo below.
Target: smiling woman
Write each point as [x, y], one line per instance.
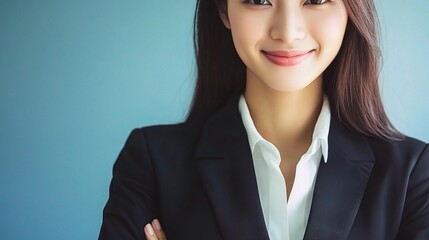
[275, 32]
[287, 137]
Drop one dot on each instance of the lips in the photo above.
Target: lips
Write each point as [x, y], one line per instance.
[287, 58]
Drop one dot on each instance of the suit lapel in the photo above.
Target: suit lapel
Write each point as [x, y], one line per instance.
[225, 164]
[340, 185]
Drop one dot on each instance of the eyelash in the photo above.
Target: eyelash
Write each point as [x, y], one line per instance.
[320, 3]
[305, 3]
[251, 2]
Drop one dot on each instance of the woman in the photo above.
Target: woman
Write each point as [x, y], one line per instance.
[287, 137]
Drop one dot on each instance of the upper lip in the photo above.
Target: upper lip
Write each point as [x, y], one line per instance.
[292, 53]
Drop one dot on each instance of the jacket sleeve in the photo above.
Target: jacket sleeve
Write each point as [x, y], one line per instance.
[415, 219]
[132, 201]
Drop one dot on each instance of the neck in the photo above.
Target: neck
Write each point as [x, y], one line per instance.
[286, 119]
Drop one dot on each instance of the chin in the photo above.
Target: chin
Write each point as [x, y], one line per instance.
[289, 87]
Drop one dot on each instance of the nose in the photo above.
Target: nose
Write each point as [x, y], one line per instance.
[288, 25]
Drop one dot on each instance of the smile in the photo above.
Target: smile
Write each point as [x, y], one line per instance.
[287, 58]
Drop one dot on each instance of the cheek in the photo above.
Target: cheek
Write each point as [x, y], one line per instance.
[246, 32]
[329, 28]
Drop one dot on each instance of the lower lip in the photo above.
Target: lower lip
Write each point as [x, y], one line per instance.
[288, 61]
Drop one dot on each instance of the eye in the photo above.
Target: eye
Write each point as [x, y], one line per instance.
[315, 2]
[257, 2]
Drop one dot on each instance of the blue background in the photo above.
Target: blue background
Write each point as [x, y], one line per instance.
[77, 76]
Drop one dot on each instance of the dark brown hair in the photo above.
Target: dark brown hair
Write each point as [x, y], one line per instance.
[350, 81]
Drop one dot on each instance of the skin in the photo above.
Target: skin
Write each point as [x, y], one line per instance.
[284, 101]
[153, 231]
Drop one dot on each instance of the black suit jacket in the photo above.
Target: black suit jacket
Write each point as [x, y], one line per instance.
[198, 178]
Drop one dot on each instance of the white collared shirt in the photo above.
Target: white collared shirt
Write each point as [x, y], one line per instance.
[286, 219]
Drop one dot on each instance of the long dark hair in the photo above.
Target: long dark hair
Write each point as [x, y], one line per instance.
[350, 81]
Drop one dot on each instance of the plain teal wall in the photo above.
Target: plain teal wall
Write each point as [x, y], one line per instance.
[76, 76]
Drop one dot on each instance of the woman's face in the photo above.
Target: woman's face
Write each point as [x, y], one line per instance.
[286, 44]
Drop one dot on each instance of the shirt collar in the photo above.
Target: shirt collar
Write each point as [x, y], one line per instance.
[320, 133]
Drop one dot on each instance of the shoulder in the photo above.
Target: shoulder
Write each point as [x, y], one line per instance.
[401, 168]
[408, 147]
[405, 153]
[172, 132]
[168, 138]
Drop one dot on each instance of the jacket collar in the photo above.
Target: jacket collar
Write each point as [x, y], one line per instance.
[340, 185]
[224, 162]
